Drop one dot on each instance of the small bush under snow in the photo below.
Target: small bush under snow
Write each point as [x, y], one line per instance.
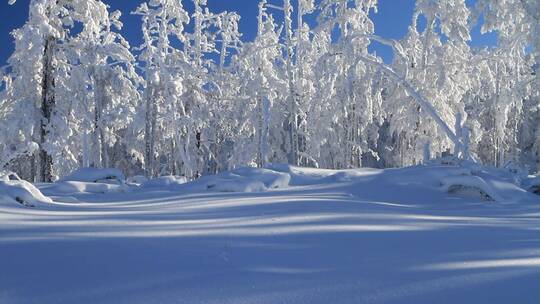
[89, 180]
[15, 190]
[468, 184]
[95, 175]
[73, 187]
[532, 184]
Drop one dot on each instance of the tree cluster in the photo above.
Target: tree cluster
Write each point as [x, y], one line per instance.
[196, 99]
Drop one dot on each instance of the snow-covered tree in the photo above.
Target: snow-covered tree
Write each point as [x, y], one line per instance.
[199, 99]
[505, 94]
[162, 107]
[258, 111]
[435, 62]
[105, 68]
[48, 72]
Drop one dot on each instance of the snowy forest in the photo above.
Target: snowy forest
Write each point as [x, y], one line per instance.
[197, 99]
[270, 151]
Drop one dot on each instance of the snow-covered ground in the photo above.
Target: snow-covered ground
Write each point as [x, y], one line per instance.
[436, 234]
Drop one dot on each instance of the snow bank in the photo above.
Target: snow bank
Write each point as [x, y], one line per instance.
[275, 176]
[95, 175]
[420, 184]
[270, 179]
[15, 190]
[300, 176]
[465, 179]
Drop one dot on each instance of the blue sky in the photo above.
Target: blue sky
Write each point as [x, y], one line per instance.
[391, 21]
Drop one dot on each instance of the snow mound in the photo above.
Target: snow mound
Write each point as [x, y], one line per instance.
[164, 181]
[75, 187]
[88, 181]
[95, 175]
[275, 176]
[470, 185]
[270, 179]
[532, 184]
[241, 180]
[300, 176]
[137, 180]
[237, 185]
[15, 190]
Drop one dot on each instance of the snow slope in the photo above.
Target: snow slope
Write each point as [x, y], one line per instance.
[352, 236]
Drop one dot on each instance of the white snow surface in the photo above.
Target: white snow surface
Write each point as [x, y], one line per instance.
[304, 236]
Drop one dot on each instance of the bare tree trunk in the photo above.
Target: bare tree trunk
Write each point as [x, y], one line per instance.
[47, 108]
[173, 157]
[33, 168]
[85, 150]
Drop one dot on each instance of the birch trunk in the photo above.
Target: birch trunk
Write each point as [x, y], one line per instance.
[149, 131]
[292, 117]
[96, 142]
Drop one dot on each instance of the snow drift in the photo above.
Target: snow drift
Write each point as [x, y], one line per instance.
[240, 180]
[74, 187]
[163, 181]
[89, 180]
[95, 175]
[429, 183]
[426, 184]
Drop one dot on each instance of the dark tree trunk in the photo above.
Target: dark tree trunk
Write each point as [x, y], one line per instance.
[47, 109]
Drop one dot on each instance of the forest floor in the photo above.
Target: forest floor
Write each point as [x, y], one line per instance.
[357, 236]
